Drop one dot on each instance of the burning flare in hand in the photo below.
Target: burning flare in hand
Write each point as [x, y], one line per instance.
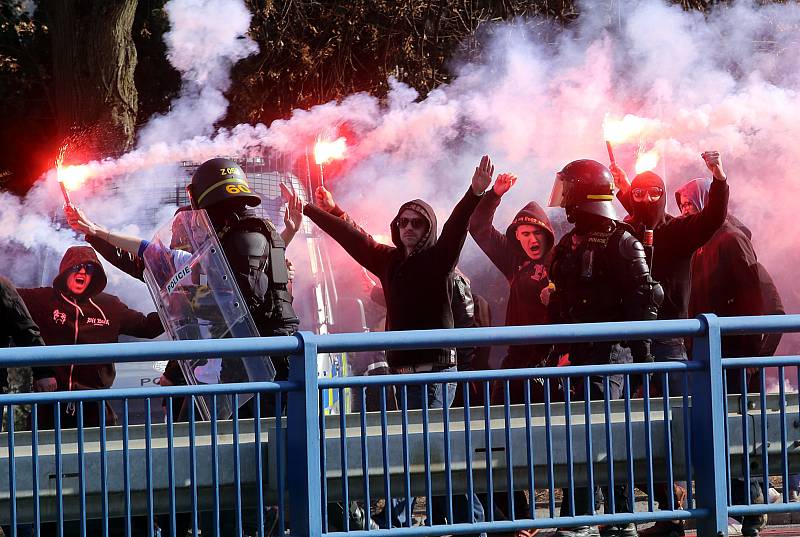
[646, 161]
[325, 151]
[627, 129]
[69, 177]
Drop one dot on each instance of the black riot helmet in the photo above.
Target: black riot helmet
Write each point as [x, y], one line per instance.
[584, 185]
[217, 180]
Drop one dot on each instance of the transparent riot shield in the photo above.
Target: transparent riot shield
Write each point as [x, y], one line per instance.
[197, 298]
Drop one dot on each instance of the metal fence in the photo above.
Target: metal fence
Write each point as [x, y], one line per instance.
[280, 464]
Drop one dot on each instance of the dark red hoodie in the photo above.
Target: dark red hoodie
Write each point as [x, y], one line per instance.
[527, 278]
[91, 317]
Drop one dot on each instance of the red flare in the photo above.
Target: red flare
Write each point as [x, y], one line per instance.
[325, 151]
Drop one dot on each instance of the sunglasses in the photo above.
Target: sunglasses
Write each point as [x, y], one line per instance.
[416, 223]
[87, 267]
[653, 192]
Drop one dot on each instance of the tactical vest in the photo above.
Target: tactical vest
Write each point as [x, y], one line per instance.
[585, 277]
[257, 256]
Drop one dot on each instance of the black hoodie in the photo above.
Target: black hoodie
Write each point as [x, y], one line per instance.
[418, 288]
[675, 240]
[527, 278]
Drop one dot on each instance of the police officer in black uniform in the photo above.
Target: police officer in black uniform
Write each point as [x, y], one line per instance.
[255, 250]
[600, 274]
[253, 247]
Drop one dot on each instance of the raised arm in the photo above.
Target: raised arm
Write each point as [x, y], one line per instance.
[78, 221]
[623, 187]
[367, 252]
[454, 232]
[293, 217]
[493, 243]
[697, 229]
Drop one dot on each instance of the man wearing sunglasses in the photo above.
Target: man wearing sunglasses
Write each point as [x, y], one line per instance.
[675, 240]
[73, 311]
[416, 275]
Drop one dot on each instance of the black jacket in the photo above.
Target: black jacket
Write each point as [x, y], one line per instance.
[725, 281]
[16, 324]
[602, 276]
[675, 240]
[417, 288]
[91, 317]
[463, 307]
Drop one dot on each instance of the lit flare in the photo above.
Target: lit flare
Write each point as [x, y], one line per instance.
[325, 151]
[646, 161]
[627, 129]
[69, 177]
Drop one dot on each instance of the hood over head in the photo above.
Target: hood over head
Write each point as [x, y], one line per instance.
[697, 192]
[532, 214]
[649, 213]
[426, 211]
[738, 224]
[77, 255]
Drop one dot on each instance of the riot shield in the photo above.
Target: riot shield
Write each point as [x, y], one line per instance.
[197, 298]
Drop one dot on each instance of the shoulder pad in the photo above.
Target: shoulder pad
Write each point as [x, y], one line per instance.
[630, 247]
[623, 226]
[254, 223]
[260, 225]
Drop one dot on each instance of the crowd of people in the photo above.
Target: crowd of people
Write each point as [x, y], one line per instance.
[644, 266]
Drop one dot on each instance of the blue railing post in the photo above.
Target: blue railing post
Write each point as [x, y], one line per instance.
[303, 446]
[708, 433]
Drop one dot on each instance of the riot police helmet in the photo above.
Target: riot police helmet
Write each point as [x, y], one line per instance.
[218, 180]
[584, 185]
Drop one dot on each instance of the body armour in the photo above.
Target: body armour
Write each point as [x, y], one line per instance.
[604, 277]
[257, 256]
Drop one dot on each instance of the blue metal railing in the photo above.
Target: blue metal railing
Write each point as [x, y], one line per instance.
[315, 473]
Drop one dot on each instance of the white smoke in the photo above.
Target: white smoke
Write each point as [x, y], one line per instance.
[727, 80]
[203, 50]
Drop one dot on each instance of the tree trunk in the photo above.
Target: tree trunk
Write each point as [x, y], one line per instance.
[94, 59]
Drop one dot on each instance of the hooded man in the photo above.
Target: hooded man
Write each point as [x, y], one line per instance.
[462, 301]
[416, 275]
[75, 310]
[674, 242]
[726, 281]
[725, 272]
[674, 239]
[522, 255]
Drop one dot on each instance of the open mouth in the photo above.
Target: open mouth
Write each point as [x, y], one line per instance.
[80, 280]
